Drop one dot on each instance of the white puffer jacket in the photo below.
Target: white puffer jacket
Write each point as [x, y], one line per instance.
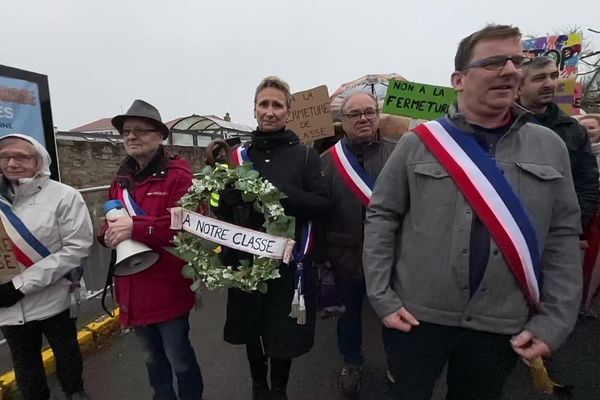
[58, 217]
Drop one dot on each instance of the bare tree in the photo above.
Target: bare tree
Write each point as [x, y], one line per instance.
[590, 78]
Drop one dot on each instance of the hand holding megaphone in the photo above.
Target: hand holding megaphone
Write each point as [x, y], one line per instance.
[132, 256]
[119, 229]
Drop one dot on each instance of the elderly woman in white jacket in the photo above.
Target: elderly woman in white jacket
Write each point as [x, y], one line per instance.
[50, 231]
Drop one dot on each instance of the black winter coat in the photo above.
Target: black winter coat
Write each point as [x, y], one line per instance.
[583, 162]
[294, 169]
[341, 234]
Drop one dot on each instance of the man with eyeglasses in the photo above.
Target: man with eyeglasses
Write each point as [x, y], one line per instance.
[471, 238]
[355, 160]
[155, 302]
[536, 94]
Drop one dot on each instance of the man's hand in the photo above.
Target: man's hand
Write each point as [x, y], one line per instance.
[528, 346]
[401, 320]
[119, 229]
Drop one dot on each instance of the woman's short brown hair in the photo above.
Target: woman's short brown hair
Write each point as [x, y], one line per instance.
[276, 83]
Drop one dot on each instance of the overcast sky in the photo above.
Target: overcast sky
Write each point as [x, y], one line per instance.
[206, 57]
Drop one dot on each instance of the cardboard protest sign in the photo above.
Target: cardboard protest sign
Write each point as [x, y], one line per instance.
[417, 100]
[565, 50]
[310, 117]
[9, 267]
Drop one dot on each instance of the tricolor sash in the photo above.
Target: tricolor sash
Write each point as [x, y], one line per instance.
[356, 177]
[27, 248]
[298, 304]
[489, 193]
[132, 207]
[240, 156]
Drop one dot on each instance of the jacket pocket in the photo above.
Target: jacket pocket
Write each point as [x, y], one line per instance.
[536, 188]
[433, 170]
[433, 197]
[542, 172]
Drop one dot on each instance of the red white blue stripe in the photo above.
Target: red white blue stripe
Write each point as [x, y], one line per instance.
[240, 156]
[132, 207]
[27, 248]
[493, 199]
[300, 252]
[354, 174]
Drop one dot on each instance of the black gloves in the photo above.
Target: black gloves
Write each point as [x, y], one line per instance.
[231, 197]
[9, 295]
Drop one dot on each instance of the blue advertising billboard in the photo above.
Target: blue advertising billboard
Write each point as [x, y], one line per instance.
[25, 108]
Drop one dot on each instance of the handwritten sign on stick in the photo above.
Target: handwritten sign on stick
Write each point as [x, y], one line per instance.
[417, 100]
[310, 117]
[9, 268]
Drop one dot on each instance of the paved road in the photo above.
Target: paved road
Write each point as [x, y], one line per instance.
[117, 371]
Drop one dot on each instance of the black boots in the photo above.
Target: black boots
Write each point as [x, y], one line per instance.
[278, 394]
[260, 391]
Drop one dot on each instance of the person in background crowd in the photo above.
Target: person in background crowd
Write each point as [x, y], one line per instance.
[362, 152]
[591, 267]
[262, 322]
[469, 213]
[536, 94]
[51, 233]
[591, 122]
[155, 302]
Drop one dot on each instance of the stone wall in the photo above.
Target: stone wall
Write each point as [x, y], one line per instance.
[93, 164]
[85, 164]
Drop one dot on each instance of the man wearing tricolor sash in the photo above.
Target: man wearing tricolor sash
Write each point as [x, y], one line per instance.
[155, 302]
[49, 231]
[350, 169]
[471, 248]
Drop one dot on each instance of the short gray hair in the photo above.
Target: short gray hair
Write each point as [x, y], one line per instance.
[275, 83]
[351, 95]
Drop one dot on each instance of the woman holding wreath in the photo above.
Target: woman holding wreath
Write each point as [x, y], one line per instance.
[262, 321]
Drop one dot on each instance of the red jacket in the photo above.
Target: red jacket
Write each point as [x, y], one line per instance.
[159, 293]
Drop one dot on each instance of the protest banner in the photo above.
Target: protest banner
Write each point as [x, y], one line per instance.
[310, 117]
[230, 235]
[25, 108]
[565, 50]
[418, 100]
[9, 267]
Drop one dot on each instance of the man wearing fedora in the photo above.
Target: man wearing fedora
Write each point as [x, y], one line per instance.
[155, 302]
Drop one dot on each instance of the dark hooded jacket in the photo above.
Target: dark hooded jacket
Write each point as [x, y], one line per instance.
[583, 162]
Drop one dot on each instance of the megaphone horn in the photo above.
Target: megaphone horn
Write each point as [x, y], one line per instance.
[132, 257]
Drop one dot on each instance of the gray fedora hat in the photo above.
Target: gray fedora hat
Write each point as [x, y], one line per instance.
[141, 109]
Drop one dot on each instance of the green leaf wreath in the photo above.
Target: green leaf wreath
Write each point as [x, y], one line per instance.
[202, 256]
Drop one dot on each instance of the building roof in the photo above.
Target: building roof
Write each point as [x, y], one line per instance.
[207, 124]
[102, 124]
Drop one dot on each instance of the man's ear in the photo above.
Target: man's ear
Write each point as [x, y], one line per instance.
[456, 79]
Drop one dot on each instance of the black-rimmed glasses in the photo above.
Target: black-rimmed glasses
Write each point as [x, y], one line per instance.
[355, 115]
[496, 63]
